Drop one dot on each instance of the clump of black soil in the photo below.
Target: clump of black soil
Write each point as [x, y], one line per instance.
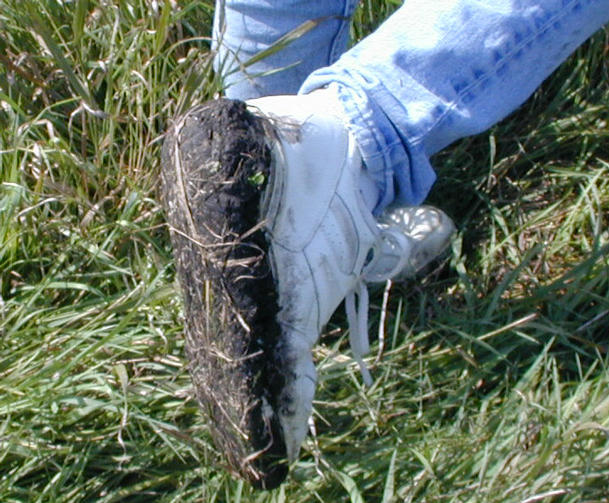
[215, 166]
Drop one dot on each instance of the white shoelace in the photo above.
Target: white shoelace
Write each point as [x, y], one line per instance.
[392, 254]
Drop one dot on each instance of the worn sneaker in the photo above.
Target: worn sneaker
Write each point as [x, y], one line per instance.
[428, 231]
[270, 234]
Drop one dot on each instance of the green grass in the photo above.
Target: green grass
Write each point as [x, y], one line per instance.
[493, 382]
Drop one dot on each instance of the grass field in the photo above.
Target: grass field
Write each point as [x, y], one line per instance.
[493, 384]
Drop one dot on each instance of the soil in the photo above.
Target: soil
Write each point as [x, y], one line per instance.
[215, 166]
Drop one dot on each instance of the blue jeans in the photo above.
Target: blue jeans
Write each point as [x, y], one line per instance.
[433, 72]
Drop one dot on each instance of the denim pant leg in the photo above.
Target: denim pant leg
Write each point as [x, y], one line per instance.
[244, 28]
[440, 70]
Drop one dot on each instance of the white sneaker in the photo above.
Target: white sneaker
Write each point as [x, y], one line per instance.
[310, 224]
[429, 231]
[320, 237]
[325, 245]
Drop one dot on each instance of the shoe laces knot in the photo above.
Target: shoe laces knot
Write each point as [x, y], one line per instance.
[389, 257]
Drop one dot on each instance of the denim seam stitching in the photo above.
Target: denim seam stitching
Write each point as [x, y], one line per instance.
[487, 75]
[367, 133]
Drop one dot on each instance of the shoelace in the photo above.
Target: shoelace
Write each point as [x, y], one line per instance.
[391, 255]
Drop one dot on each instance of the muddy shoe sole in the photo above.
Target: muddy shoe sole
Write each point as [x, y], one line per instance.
[215, 167]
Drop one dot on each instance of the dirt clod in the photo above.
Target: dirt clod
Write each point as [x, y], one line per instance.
[215, 167]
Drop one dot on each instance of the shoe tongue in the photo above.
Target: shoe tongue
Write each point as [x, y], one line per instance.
[369, 189]
[327, 99]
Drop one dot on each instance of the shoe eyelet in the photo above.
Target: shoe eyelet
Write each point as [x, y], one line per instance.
[369, 257]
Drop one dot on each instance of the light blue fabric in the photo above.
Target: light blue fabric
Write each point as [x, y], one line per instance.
[244, 28]
[433, 72]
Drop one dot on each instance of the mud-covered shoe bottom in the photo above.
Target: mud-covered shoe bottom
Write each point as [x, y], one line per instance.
[215, 166]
